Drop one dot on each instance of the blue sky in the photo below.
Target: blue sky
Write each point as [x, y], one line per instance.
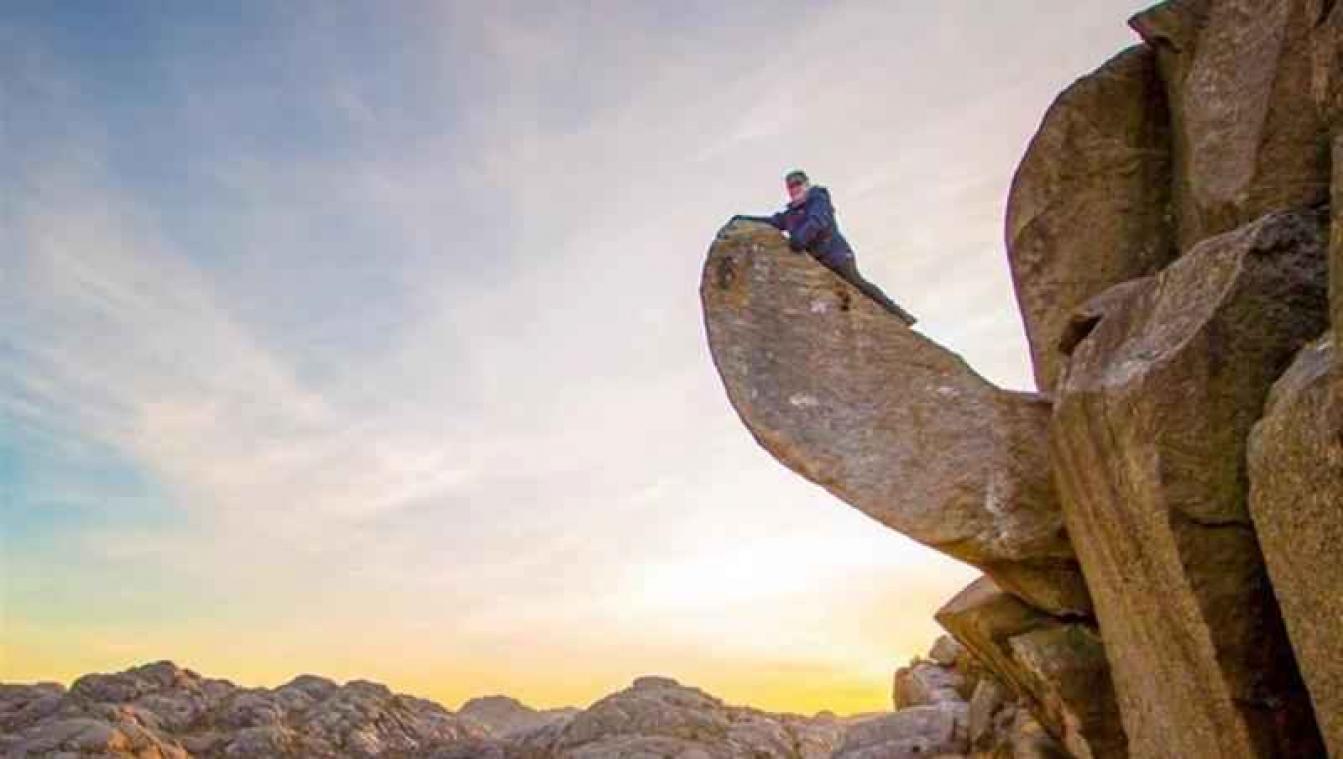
[363, 338]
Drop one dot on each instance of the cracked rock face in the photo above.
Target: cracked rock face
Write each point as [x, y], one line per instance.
[1166, 378]
[1090, 202]
[1240, 76]
[1296, 499]
[887, 420]
[1057, 667]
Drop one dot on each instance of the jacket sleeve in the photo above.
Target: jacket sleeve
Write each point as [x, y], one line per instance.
[820, 216]
[775, 220]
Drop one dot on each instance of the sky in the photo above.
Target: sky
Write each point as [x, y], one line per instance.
[363, 339]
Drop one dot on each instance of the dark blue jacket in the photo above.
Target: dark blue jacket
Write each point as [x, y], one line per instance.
[811, 226]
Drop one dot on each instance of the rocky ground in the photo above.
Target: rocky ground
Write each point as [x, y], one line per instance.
[944, 706]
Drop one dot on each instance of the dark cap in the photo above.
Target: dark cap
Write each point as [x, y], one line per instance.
[796, 175]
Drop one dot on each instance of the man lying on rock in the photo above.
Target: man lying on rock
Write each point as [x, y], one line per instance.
[810, 223]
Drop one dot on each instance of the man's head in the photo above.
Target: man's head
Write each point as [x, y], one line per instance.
[797, 184]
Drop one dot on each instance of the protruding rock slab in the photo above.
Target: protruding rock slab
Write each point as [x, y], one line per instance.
[1149, 439]
[896, 425]
[1248, 138]
[1090, 203]
[1058, 667]
[1296, 499]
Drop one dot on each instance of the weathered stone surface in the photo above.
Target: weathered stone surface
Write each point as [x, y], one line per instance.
[1057, 667]
[1090, 202]
[989, 698]
[1248, 137]
[947, 651]
[161, 710]
[1151, 419]
[886, 419]
[923, 683]
[657, 716]
[1336, 272]
[504, 715]
[1000, 728]
[1326, 72]
[912, 733]
[1296, 500]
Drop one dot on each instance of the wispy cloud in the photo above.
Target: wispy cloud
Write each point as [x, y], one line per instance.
[397, 315]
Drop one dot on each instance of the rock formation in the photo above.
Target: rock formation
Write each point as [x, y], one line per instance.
[1166, 233]
[991, 721]
[505, 716]
[1057, 666]
[928, 682]
[1159, 394]
[1296, 500]
[657, 716]
[1090, 202]
[1247, 139]
[163, 711]
[847, 396]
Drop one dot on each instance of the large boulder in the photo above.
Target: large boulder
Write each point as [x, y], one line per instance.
[1057, 667]
[896, 425]
[1090, 202]
[1164, 382]
[1296, 500]
[1247, 137]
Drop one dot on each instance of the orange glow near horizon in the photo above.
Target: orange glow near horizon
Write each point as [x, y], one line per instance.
[840, 658]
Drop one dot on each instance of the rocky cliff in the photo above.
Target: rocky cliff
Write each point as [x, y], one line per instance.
[1155, 526]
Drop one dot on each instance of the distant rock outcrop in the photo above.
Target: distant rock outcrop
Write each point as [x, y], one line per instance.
[886, 419]
[506, 716]
[163, 711]
[657, 716]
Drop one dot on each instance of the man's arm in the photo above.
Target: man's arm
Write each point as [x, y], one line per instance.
[775, 220]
